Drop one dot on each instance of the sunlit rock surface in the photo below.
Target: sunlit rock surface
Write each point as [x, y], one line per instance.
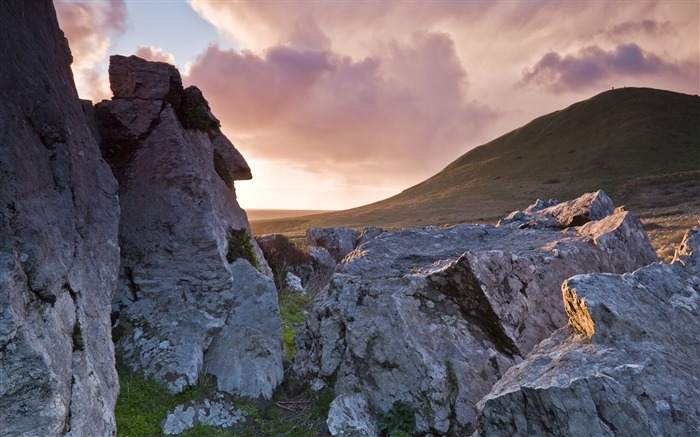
[627, 364]
[435, 316]
[58, 240]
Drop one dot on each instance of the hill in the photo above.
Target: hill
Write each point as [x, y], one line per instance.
[606, 142]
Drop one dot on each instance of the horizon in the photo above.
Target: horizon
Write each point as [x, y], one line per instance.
[338, 105]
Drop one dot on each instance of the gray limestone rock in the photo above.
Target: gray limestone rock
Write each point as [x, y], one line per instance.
[58, 240]
[215, 410]
[367, 234]
[133, 77]
[337, 241]
[246, 356]
[689, 246]
[349, 416]
[181, 233]
[576, 212]
[435, 316]
[626, 364]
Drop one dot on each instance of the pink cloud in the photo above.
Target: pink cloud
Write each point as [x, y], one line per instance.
[151, 53]
[88, 26]
[592, 65]
[399, 111]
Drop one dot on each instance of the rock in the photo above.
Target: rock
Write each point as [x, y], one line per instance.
[434, 316]
[321, 259]
[543, 214]
[349, 416]
[625, 365]
[133, 77]
[181, 232]
[367, 234]
[293, 282]
[690, 245]
[337, 241]
[246, 356]
[216, 410]
[58, 240]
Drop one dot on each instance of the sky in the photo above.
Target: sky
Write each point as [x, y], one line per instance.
[336, 104]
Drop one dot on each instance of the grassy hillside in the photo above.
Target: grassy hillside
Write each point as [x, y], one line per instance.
[605, 142]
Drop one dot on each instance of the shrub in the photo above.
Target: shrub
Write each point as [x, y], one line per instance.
[399, 421]
[281, 253]
[241, 246]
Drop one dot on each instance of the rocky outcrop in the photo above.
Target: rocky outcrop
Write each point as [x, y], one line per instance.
[626, 364]
[435, 316]
[187, 254]
[552, 214]
[58, 240]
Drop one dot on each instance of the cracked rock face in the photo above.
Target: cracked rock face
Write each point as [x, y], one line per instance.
[58, 240]
[626, 364]
[435, 316]
[179, 284]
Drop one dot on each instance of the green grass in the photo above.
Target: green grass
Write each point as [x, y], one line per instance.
[600, 143]
[142, 405]
[292, 306]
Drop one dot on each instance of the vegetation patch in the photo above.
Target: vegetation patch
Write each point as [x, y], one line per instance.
[292, 311]
[241, 246]
[281, 253]
[142, 405]
[399, 421]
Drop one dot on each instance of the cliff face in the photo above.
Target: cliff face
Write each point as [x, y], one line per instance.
[58, 240]
[182, 283]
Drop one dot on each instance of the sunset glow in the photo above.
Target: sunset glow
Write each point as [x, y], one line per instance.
[339, 104]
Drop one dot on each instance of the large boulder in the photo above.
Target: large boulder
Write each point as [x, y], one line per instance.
[435, 316]
[626, 364]
[58, 240]
[187, 253]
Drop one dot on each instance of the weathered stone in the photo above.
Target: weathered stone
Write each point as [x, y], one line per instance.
[133, 77]
[544, 214]
[180, 232]
[337, 241]
[58, 240]
[626, 365]
[246, 356]
[689, 246]
[367, 234]
[321, 259]
[293, 283]
[215, 410]
[349, 416]
[434, 316]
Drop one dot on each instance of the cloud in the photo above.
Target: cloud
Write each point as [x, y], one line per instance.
[88, 26]
[151, 53]
[646, 26]
[401, 111]
[591, 65]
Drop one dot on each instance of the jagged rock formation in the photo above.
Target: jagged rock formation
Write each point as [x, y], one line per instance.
[435, 316]
[626, 364]
[58, 240]
[182, 283]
